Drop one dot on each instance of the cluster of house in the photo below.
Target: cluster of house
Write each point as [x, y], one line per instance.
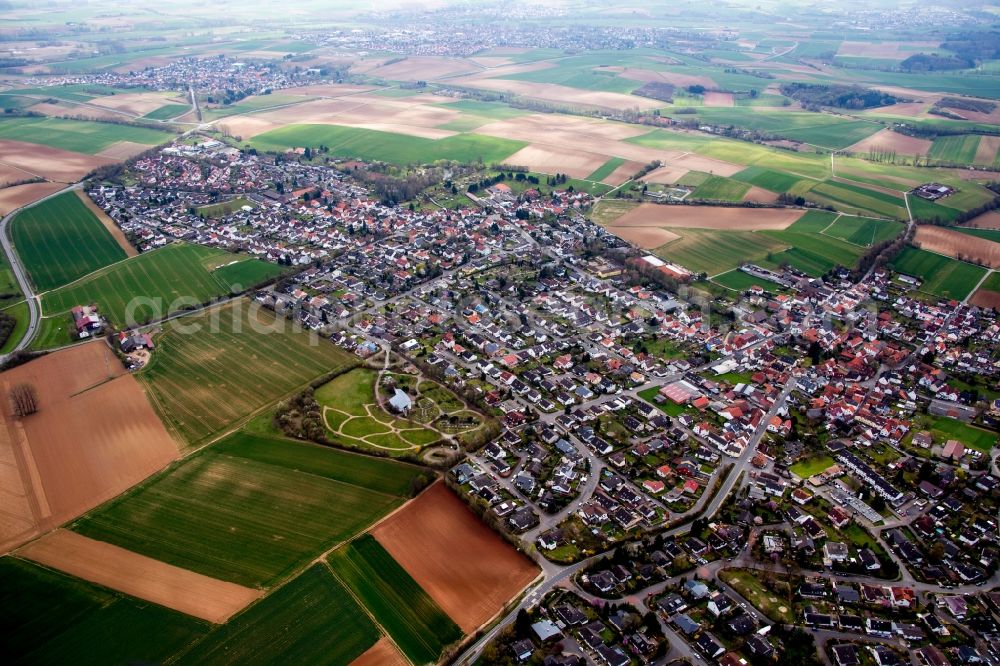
[209, 75]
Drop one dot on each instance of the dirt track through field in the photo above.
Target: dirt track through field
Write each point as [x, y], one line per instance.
[707, 217]
[461, 563]
[109, 224]
[140, 576]
[94, 436]
[958, 245]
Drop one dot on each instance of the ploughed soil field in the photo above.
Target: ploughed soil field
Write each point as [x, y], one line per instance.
[707, 217]
[12, 198]
[140, 576]
[958, 245]
[76, 451]
[461, 563]
[49, 163]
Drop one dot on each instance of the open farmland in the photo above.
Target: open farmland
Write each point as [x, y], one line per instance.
[404, 610]
[140, 576]
[864, 231]
[61, 240]
[958, 245]
[50, 618]
[988, 295]
[311, 620]
[941, 275]
[959, 149]
[160, 282]
[462, 564]
[81, 136]
[250, 519]
[12, 198]
[713, 251]
[388, 146]
[826, 130]
[707, 217]
[240, 359]
[48, 477]
[30, 160]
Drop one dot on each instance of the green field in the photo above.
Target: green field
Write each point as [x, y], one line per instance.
[809, 165]
[50, 618]
[775, 181]
[942, 276]
[61, 240]
[813, 222]
[923, 209]
[864, 231]
[960, 149]
[813, 254]
[855, 199]
[249, 510]
[170, 279]
[717, 188]
[20, 313]
[416, 624]
[53, 332]
[82, 136]
[311, 620]
[943, 429]
[606, 169]
[239, 359]
[711, 251]
[819, 129]
[387, 146]
[985, 234]
[811, 466]
[737, 280]
[167, 111]
[377, 474]
[252, 103]
[223, 208]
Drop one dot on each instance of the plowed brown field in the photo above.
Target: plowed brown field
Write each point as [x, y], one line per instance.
[94, 436]
[706, 217]
[958, 245]
[140, 576]
[461, 563]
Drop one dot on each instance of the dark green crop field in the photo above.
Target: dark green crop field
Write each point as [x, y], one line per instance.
[417, 625]
[61, 240]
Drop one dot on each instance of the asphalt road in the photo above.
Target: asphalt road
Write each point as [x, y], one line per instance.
[34, 310]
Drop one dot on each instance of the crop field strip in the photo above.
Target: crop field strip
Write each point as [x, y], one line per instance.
[251, 510]
[959, 149]
[61, 240]
[177, 274]
[312, 619]
[201, 383]
[81, 136]
[52, 618]
[941, 275]
[388, 146]
[415, 623]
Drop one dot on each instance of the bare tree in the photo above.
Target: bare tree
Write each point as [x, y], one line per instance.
[23, 399]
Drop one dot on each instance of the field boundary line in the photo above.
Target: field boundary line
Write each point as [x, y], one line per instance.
[365, 608]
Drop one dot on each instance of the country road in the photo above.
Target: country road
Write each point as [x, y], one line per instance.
[34, 309]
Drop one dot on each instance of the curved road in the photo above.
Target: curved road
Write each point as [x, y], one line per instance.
[20, 275]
